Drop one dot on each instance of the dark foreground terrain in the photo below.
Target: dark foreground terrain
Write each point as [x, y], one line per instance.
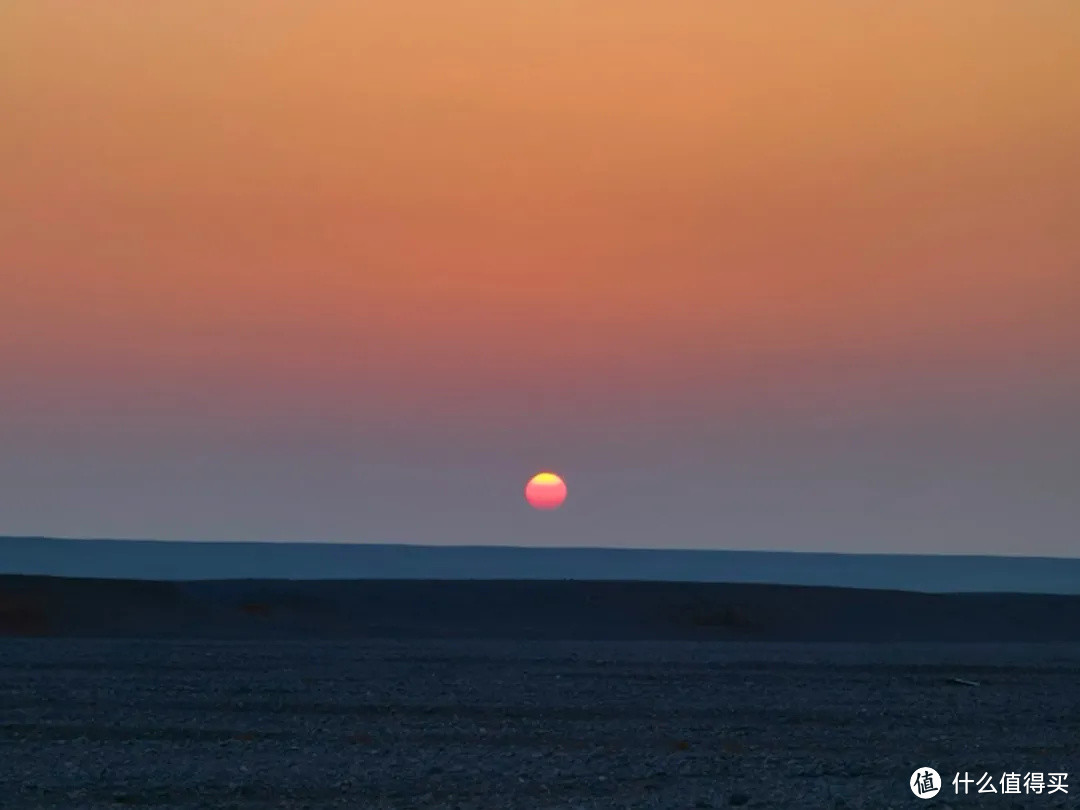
[530, 724]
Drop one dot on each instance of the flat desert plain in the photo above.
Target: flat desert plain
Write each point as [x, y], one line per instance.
[532, 724]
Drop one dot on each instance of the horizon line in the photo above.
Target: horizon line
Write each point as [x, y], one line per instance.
[527, 547]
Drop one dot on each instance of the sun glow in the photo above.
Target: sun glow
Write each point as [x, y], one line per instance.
[545, 490]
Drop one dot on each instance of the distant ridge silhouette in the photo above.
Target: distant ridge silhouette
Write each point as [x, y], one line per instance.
[61, 607]
[176, 561]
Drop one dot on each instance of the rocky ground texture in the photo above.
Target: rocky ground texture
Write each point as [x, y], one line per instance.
[478, 724]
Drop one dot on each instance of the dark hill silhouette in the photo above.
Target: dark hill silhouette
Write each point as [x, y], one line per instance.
[282, 609]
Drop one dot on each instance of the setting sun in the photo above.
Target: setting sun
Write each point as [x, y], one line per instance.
[545, 491]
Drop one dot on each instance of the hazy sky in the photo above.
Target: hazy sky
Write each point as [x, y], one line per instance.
[749, 275]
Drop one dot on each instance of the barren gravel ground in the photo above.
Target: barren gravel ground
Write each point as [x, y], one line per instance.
[87, 724]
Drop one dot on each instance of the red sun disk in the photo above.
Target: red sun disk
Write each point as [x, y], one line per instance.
[545, 491]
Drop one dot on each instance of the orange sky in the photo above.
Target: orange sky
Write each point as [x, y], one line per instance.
[428, 210]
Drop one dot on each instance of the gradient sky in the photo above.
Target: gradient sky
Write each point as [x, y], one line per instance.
[748, 275]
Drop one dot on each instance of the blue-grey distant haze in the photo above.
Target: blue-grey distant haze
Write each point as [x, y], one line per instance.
[156, 560]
